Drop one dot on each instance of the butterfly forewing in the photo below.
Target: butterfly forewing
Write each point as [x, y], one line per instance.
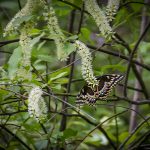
[106, 84]
[89, 95]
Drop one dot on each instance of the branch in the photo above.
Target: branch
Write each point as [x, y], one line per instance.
[12, 113]
[16, 137]
[140, 102]
[119, 56]
[130, 62]
[71, 59]
[132, 133]
[95, 48]
[117, 98]
[139, 141]
[129, 87]
[125, 4]
[139, 78]
[99, 127]
[74, 6]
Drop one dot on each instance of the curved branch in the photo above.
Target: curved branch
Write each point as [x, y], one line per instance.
[16, 137]
[130, 61]
[132, 133]
[119, 56]
[125, 4]
[99, 125]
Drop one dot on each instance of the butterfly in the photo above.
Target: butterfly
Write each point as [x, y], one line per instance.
[89, 94]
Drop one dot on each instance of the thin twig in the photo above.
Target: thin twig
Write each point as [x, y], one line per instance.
[16, 137]
[141, 3]
[71, 59]
[130, 62]
[95, 48]
[132, 133]
[139, 78]
[119, 56]
[99, 125]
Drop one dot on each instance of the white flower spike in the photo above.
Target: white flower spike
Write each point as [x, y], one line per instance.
[86, 59]
[36, 105]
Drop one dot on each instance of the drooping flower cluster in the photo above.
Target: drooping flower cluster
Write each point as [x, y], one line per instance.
[26, 11]
[86, 59]
[36, 105]
[22, 22]
[24, 71]
[99, 17]
[55, 32]
[111, 9]
[25, 43]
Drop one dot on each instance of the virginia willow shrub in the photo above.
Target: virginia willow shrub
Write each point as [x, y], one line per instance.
[26, 20]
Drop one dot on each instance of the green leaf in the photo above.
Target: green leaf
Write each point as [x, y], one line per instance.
[13, 62]
[72, 38]
[123, 136]
[36, 40]
[77, 3]
[69, 133]
[40, 45]
[3, 94]
[69, 48]
[131, 139]
[56, 87]
[144, 47]
[58, 76]
[19, 20]
[96, 139]
[85, 35]
[35, 31]
[76, 123]
[61, 80]
[119, 67]
[45, 58]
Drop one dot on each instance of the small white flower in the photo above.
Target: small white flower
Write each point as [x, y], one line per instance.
[111, 9]
[27, 10]
[55, 32]
[86, 59]
[99, 18]
[36, 105]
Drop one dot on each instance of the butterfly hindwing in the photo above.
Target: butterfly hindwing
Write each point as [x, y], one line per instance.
[86, 95]
[106, 83]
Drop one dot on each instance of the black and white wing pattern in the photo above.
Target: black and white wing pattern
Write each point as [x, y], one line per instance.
[106, 84]
[89, 95]
[86, 96]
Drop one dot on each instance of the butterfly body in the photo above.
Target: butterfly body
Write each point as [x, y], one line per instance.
[89, 94]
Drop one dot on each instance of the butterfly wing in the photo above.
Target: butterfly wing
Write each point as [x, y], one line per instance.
[86, 96]
[106, 84]
[89, 95]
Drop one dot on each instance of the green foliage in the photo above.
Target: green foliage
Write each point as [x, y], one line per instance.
[68, 126]
[68, 48]
[21, 20]
[13, 63]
